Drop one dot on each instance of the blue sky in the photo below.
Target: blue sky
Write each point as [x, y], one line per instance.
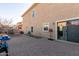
[13, 10]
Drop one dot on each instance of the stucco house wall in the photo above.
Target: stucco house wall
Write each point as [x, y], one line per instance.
[48, 13]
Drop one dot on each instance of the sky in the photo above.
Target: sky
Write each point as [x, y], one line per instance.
[13, 10]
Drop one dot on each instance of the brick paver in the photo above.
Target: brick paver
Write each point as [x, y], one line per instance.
[27, 46]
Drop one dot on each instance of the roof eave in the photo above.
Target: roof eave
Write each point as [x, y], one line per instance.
[29, 9]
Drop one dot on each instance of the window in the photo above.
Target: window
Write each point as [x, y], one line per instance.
[46, 27]
[31, 28]
[33, 13]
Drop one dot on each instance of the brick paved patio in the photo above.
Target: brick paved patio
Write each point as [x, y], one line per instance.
[28, 46]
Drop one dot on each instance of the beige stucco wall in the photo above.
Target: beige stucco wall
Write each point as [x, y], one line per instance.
[49, 13]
